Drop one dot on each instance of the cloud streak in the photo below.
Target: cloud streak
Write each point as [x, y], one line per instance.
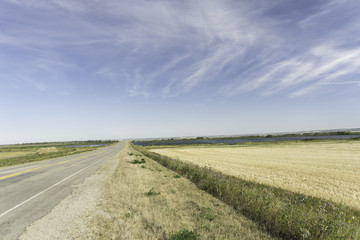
[167, 48]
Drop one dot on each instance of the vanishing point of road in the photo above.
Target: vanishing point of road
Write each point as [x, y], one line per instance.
[29, 191]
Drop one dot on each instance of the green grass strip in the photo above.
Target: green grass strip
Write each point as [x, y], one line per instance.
[282, 213]
[39, 157]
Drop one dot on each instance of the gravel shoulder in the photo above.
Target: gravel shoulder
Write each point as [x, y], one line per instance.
[72, 217]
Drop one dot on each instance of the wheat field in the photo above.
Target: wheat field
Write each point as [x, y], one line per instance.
[329, 169]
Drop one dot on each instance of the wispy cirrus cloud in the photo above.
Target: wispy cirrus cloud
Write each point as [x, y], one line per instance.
[167, 48]
[331, 57]
[319, 66]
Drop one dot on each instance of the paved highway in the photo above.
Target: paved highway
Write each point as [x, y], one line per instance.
[28, 192]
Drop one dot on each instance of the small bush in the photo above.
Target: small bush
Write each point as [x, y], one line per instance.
[185, 235]
[177, 176]
[207, 214]
[151, 192]
[137, 161]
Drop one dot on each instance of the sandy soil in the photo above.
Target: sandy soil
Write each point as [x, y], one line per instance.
[72, 217]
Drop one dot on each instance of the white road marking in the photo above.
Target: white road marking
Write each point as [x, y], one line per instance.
[28, 200]
[44, 166]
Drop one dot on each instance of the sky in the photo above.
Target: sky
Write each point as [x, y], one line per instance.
[109, 69]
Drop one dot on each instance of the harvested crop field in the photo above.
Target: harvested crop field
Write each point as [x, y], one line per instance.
[328, 169]
[4, 155]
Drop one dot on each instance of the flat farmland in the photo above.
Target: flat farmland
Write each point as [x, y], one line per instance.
[4, 155]
[25, 153]
[327, 169]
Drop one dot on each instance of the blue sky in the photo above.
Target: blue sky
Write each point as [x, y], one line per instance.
[89, 69]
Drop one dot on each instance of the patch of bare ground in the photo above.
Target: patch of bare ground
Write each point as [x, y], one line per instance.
[46, 150]
[144, 200]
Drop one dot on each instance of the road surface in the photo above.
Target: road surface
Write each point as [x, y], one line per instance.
[28, 192]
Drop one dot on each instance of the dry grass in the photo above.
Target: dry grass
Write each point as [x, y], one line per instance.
[148, 201]
[5, 155]
[329, 169]
[46, 150]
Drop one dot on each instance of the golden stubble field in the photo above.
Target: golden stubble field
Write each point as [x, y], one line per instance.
[329, 169]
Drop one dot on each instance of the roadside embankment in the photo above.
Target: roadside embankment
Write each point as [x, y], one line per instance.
[144, 200]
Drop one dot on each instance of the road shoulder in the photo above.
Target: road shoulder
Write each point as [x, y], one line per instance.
[72, 217]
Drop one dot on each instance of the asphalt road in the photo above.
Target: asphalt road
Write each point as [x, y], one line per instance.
[28, 192]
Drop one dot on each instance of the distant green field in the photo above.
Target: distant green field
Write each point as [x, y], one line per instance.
[5, 155]
[24, 153]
